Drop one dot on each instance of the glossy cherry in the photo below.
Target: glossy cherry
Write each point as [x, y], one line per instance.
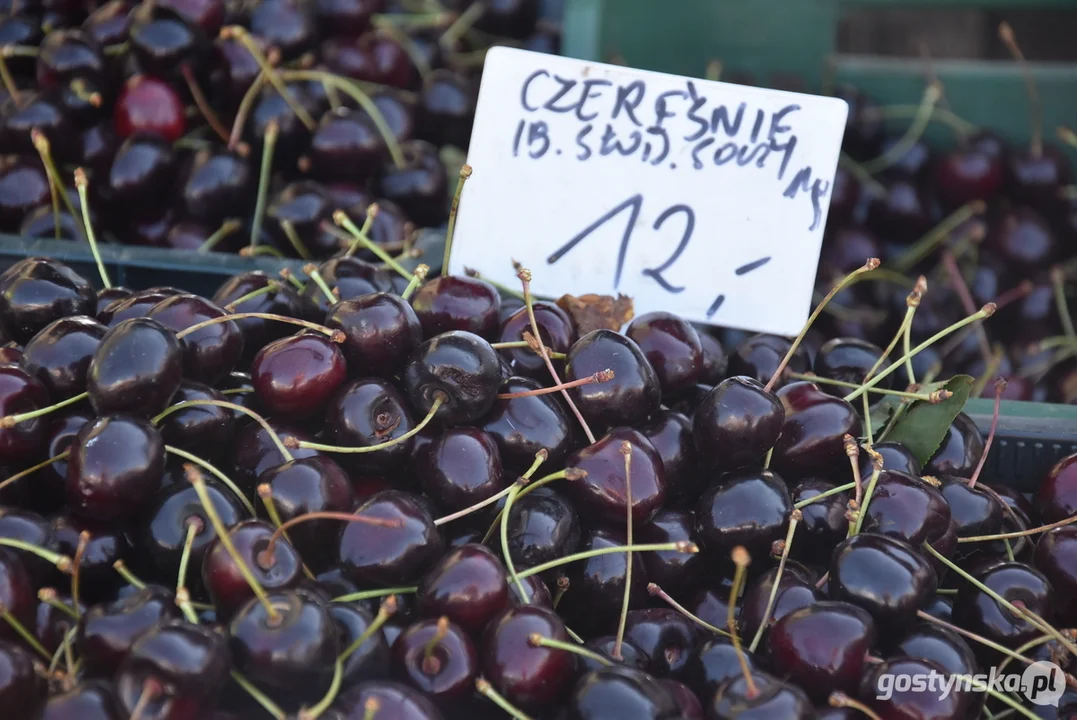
[115, 467]
[446, 673]
[529, 677]
[89, 700]
[254, 452]
[737, 423]
[223, 579]
[907, 703]
[977, 612]
[847, 360]
[811, 440]
[381, 330]
[420, 188]
[714, 662]
[460, 468]
[542, 526]
[257, 332]
[59, 356]
[885, 576]
[106, 545]
[772, 698]
[747, 507]
[371, 659]
[597, 585]
[1056, 497]
[142, 173]
[146, 104]
[23, 188]
[601, 493]
[446, 108]
[29, 527]
[967, 173]
[960, 450]
[630, 397]
[675, 572]
[205, 430]
[209, 353]
[673, 348]
[1056, 558]
[630, 690]
[20, 392]
[907, 508]
[21, 689]
[454, 302]
[391, 555]
[393, 698]
[555, 328]
[758, 357]
[823, 523]
[945, 647]
[108, 631]
[136, 368]
[665, 636]
[135, 304]
[522, 426]
[1023, 239]
[469, 585]
[216, 185]
[460, 369]
[296, 376]
[796, 590]
[37, 291]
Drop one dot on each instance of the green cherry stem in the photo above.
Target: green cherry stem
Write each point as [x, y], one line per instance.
[370, 594]
[76, 564]
[465, 173]
[212, 470]
[265, 494]
[927, 244]
[62, 562]
[976, 638]
[824, 495]
[34, 468]
[183, 602]
[44, 149]
[680, 546]
[330, 694]
[505, 554]
[11, 421]
[839, 699]
[9, 84]
[862, 507]
[626, 451]
[235, 408]
[194, 526]
[259, 697]
[934, 397]
[1018, 533]
[536, 640]
[794, 518]
[463, 22]
[741, 559]
[418, 277]
[540, 457]
[868, 266]
[243, 36]
[1035, 106]
[912, 134]
[294, 240]
[248, 251]
[246, 105]
[912, 302]
[50, 597]
[438, 401]
[311, 271]
[265, 172]
[1000, 696]
[364, 232]
[481, 504]
[227, 228]
[388, 608]
[202, 103]
[81, 184]
[266, 558]
[484, 688]
[26, 635]
[334, 335]
[341, 218]
[269, 287]
[128, 577]
[658, 592]
[1058, 282]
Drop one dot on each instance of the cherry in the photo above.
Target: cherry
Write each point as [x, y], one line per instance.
[895, 457]
[216, 185]
[289, 649]
[821, 647]
[468, 585]
[369, 412]
[458, 369]
[347, 18]
[908, 703]
[351, 277]
[903, 214]
[631, 691]
[796, 590]
[17, 29]
[1056, 496]
[371, 659]
[209, 353]
[555, 328]
[1018, 515]
[22, 691]
[736, 423]
[115, 467]
[601, 492]
[713, 663]
[597, 585]
[136, 368]
[107, 632]
[136, 304]
[847, 360]
[630, 397]
[164, 528]
[542, 526]
[255, 452]
[527, 676]
[452, 302]
[142, 174]
[907, 508]
[945, 647]
[147, 104]
[294, 135]
[59, 356]
[460, 468]
[20, 392]
[66, 54]
[386, 555]
[1023, 240]
[771, 698]
[671, 435]
[23, 187]
[392, 698]
[845, 248]
[371, 57]
[446, 109]
[675, 572]
[688, 705]
[437, 657]
[749, 508]
[89, 700]
[811, 439]
[381, 330]
[665, 636]
[36, 291]
[976, 511]
[286, 25]
[883, 575]
[310, 485]
[205, 430]
[296, 376]
[522, 426]
[257, 333]
[29, 527]
[1033, 178]
[1056, 558]
[232, 72]
[823, 524]
[673, 348]
[163, 42]
[346, 146]
[206, 14]
[960, 450]
[965, 174]
[1017, 583]
[223, 579]
[98, 579]
[107, 296]
[631, 655]
[715, 361]
[758, 357]
[420, 188]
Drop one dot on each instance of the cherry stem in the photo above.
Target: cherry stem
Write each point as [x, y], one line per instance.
[536, 640]
[370, 594]
[290, 277]
[128, 577]
[824, 495]
[839, 699]
[248, 251]
[862, 507]
[295, 241]
[258, 696]
[265, 493]
[418, 277]
[212, 470]
[244, 110]
[50, 597]
[202, 103]
[26, 635]
[938, 114]
[912, 302]
[81, 186]
[227, 228]
[341, 218]
[151, 690]
[440, 632]
[44, 149]
[62, 562]
[11, 421]
[794, 518]
[655, 590]
[1070, 680]
[506, 555]
[540, 457]
[438, 401]
[334, 335]
[64, 650]
[387, 610]
[461, 25]
[241, 34]
[183, 602]
[281, 448]
[927, 244]
[852, 450]
[194, 526]
[957, 281]
[973, 636]
[1018, 533]
[34, 468]
[9, 83]
[330, 695]
[266, 559]
[270, 286]
[198, 482]
[525, 280]
[481, 504]
[1067, 136]
[626, 450]
[1058, 281]
[269, 143]
[741, 559]
[912, 134]
[371, 708]
[1002, 697]
[680, 546]
[1035, 106]
[1000, 386]
[870, 265]
[316, 277]
[484, 688]
[563, 584]
[987, 311]
[931, 397]
[413, 51]
[76, 563]
[472, 272]
[599, 377]
[520, 344]
[465, 173]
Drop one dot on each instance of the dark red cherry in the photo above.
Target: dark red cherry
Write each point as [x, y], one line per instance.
[23, 188]
[673, 348]
[109, 23]
[821, 648]
[232, 71]
[457, 303]
[349, 276]
[966, 173]
[903, 214]
[254, 452]
[712, 663]
[106, 545]
[446, 108]
[368, 412]
[630, 397]
[847, 360]
[347, 18]
[67, 54]
[715, 361]
[107, 631]
[593, 602]
[796, 590]
[883, 575]
[381, 330]
[823, 524]
[630, 690]
[257, 332]
[29, 527]
[372, 57]
[460, 468]
[960, 450]
[206, 14]
[287, 25]
[975, 510]
[737, 423]
[746, 507]
[291, 652]
[529, 677]
[204, 430]
[223, 579]
[135, 304]
[937, 644]
[19, 29]
[601, 493]
[395, 699]
[542, 526]
[107, 296]
[311, 485]
[17, 593]
[294, 136]
[19, 393]
[895, 457]
[163, 43]
[146, 104]
[675, 572]
[907, 508]
[420, 188]
[447, 672]
[217, 185]
[115, 467]
[688, 705]
[665, 636]
[1033, 178]
[772, 699]
[306, 205]
[142, 174]
[631, 656]
[346, 146]
[1056, 558]
[59, 356]
[296, 376]
[136, 368]
[1018, 583]
[209, 353]
[555, 328]
[460, 369]
[1023, 239]
[22, 690]
[89, 700]
[469, 585]
[671, 435]
[387, 555]
[37, 291]
[371, 659]
[811, 440]
[524, 425]
[758, 357]
[908, 703]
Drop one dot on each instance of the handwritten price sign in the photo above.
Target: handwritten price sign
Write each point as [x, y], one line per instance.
[703, 198]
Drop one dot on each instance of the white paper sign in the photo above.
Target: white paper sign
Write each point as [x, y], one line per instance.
[702, 198]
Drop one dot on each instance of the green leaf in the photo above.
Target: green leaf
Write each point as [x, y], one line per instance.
[885, 407]
[923, 427]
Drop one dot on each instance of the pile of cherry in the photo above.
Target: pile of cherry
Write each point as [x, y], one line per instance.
[206, 124]
[361, 501]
